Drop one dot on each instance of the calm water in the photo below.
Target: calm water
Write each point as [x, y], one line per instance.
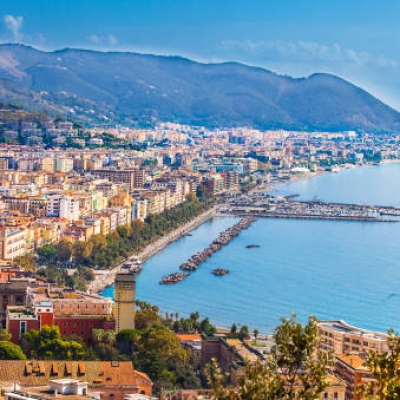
[331, 269]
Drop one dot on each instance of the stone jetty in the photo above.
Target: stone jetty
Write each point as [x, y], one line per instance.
[173, 278]
[223, 239]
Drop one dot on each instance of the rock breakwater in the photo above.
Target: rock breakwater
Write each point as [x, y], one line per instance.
[223, 239]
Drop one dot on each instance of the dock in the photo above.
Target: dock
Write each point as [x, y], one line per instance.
[288, 208]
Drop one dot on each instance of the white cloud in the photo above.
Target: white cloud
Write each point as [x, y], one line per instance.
[14, 25]
[303, 52]
[107, 40]
[112, 39]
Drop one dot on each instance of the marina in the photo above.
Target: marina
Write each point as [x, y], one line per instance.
[272, 207]
[331, 269]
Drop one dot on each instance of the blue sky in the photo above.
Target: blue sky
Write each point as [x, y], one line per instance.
[358, 40]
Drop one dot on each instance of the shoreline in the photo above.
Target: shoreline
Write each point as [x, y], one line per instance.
[105, 278]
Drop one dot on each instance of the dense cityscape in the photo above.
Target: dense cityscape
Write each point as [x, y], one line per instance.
[82, 208]
[199, 200]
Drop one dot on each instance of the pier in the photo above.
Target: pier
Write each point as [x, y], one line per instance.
[271, 207]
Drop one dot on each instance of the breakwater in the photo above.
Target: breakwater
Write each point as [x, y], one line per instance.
[222, 240]
[283, 208]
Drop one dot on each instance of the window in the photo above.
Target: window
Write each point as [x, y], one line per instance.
[335, 395]
[22, 328]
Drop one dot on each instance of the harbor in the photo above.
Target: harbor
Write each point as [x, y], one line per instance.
[286, 207]
[198, 258]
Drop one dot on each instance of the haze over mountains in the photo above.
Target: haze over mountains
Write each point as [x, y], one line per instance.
[141, 89]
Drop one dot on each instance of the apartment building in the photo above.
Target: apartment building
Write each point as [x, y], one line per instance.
[13, 241]
[342, 338]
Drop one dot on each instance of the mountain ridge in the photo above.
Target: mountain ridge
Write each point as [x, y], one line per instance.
[145, 88]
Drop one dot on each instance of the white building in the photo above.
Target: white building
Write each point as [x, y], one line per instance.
[69, 208]
[65, 164]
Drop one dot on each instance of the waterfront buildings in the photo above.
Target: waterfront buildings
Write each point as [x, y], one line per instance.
[339, 337]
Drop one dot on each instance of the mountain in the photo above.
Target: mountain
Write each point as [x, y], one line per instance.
[138, 88]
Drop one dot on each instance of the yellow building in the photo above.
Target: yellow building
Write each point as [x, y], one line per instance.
[342, 338]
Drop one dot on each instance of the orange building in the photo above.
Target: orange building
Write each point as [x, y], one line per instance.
[352, 369]
[112, 379]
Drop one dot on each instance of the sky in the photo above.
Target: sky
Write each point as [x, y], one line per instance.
[358, 40]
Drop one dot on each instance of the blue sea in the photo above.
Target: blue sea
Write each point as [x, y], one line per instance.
[330, 269]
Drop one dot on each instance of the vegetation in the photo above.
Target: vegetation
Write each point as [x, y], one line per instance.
[10, 351]
[47, 344]
[385, 369]
[106, 252]
[294, 369]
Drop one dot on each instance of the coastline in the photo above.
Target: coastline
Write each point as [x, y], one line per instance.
[105, 278]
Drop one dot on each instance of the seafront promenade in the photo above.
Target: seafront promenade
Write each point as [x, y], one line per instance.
[104, 278]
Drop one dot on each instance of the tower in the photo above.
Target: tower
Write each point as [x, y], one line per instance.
[124, 301]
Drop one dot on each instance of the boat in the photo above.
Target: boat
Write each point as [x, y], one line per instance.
[220, 271]
[252, 246]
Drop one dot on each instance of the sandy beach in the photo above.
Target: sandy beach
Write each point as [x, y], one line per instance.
[104, 278]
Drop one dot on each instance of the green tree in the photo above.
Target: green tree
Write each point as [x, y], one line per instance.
[47, 344]
[81, 250]
[244, 331]
[146, 315]
[27, 262]
[10, 351]
[47, 252]
[206, 327]
[4, 335]
[295, 368]
[126, 340]
[385, 369]
[233, 328]
[64, 250]
[160, 354]
[255, 333]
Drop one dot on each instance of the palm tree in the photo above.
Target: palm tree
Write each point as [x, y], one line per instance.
[109, 337]
[255, 333]
[98, 335]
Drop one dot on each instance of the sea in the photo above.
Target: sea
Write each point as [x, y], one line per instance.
[330, 269]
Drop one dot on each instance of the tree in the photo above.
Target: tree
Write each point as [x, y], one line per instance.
[81, 250]
[191, 197]
[127, 339]
[295, 368]
[233, 328]
[47, 252]
[47, 344]
[206, 327]
[10, 351]
[385, 369]
[64, 250]
[255, 333]
[27, 262]
[146, 315]
[161, 356]
[244, 331]
[4, 335]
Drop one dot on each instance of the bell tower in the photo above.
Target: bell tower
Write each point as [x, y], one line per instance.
[124, 301]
